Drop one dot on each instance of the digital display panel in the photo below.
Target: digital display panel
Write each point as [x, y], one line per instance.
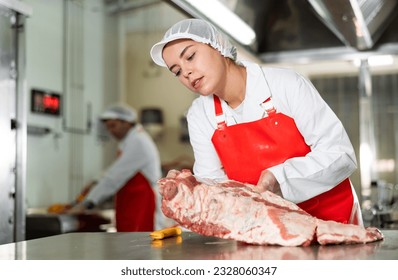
[45, 102]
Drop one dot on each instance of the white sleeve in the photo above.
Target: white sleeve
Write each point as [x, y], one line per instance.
[332, 158]
[122, 169]
[207, 163]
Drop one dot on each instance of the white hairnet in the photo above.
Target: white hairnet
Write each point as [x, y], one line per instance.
[119, 112]
[197, 30]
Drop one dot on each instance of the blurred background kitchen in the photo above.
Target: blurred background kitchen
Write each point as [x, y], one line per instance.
[63, 61]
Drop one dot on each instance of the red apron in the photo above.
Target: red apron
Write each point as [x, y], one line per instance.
[135, 205]
[246, 149]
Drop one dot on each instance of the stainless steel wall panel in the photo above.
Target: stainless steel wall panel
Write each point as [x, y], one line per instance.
[7, 110]
[12, 125]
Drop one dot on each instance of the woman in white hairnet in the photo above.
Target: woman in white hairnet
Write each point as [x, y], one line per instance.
[265, 126]
[133, 175]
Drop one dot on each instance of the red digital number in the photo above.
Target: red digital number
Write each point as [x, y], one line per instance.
[51, 102]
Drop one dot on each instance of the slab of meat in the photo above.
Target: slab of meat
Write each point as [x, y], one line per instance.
[232, 210]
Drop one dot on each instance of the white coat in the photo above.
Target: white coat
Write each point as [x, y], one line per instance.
[332, 157]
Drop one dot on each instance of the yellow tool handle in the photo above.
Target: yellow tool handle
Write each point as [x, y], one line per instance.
[167, 232]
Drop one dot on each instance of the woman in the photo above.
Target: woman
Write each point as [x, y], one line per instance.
[264, 126]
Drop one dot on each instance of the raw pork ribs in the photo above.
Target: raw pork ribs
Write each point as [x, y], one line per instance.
[232, 210]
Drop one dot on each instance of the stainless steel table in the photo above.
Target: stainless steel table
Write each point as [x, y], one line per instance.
[189, 246]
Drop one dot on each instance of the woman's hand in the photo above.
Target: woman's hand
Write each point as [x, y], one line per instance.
[268, 182]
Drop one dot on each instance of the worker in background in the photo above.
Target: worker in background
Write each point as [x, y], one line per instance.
[132, 177]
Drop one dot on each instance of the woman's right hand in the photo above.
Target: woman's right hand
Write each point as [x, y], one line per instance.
[268, 182]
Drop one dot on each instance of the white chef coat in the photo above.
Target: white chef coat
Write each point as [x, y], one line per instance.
[138, 154]
[332, 158]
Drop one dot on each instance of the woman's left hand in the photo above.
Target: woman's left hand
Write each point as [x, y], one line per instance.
[268, 182]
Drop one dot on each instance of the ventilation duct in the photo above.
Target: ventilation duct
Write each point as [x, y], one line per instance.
[357, 23]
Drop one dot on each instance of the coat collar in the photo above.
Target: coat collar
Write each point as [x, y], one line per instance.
[257, 91]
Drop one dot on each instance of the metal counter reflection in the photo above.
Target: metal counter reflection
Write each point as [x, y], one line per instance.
[188, 246]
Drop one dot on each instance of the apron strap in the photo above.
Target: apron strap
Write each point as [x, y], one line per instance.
[268, 107]
[220, 118]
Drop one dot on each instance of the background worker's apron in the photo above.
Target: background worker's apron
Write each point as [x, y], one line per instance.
[246, 149]
[135, 205]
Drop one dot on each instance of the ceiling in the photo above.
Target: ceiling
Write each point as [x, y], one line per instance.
[314, 28]
[303, 30]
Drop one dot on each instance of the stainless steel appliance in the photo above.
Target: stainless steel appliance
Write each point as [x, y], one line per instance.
[12, 121]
